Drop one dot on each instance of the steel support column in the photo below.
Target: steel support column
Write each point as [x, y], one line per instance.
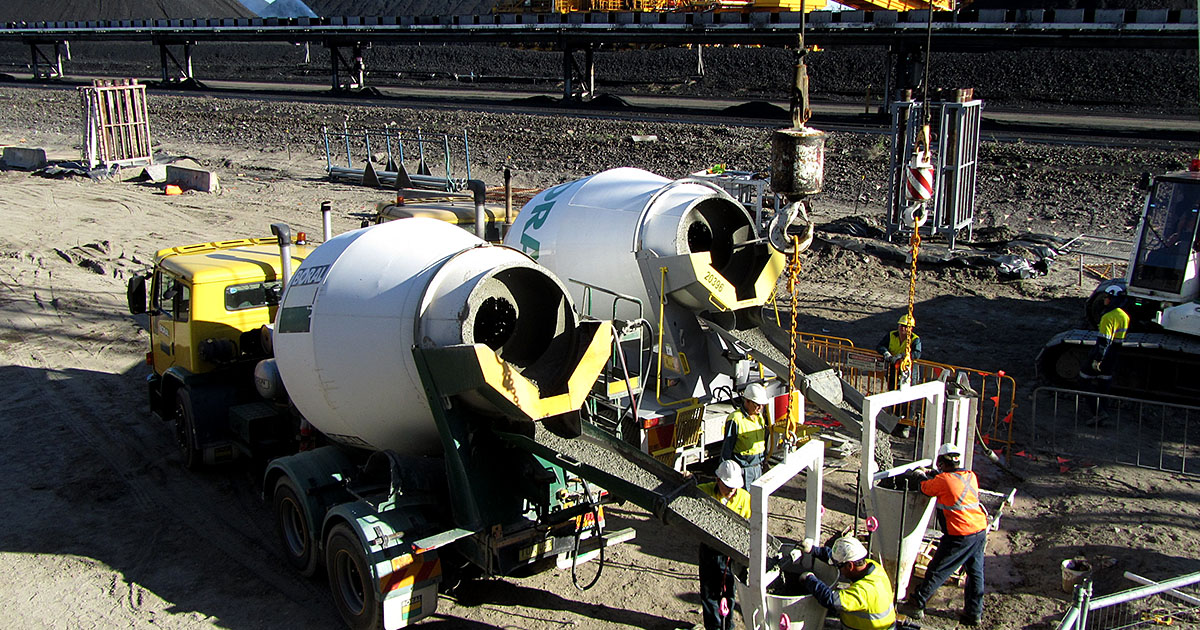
[579, 83]
[45, 68]
[173, 70]
[348, 74]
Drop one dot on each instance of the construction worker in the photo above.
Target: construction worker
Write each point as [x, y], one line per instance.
[964, 522]
[893, 344]
[1114, 323]
[716, 571]
[864, 605]
[746, 434]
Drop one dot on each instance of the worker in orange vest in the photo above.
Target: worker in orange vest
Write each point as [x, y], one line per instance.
[965, 524]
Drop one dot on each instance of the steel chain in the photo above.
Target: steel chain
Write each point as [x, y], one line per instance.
[793, 277]
[915, 244]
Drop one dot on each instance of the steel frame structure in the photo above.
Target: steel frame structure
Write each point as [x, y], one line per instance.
[903, 32]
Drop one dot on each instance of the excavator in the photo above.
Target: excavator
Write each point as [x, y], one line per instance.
[1161, 354]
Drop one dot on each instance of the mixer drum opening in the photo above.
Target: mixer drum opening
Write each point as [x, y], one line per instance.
[527, 319]
[722, 228]
[495, 322]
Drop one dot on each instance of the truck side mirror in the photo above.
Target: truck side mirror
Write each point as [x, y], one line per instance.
[135, 294]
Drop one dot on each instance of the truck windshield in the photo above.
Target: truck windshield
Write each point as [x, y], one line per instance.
[252, 295]
[1168, 236]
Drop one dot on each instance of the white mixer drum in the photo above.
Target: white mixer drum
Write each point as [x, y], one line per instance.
[594, 229]
[359, 304]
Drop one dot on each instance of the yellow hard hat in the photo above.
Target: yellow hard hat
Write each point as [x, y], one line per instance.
[907, 320]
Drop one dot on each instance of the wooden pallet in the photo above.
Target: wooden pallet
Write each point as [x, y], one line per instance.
[116, 123]
[925, 556]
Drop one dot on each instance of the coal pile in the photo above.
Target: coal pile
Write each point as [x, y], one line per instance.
[67, 10]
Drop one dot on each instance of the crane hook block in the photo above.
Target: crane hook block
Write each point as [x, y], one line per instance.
[918, 182]
[791, 221]
[914, 215]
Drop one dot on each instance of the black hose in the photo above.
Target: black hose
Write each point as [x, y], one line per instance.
[598, 532]
[994, 458]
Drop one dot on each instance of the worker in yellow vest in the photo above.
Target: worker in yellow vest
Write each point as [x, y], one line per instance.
[1114, 324]
[746, 434]
[864, 605]
[893, 344]
[716, 571]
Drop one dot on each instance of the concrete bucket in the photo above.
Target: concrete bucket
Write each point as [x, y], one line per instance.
[903, 517]
[803, 612]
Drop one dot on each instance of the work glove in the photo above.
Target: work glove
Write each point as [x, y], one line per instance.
[807, 575]
[795, 555]
[806, 545]
[1096, 366]
[888, 358]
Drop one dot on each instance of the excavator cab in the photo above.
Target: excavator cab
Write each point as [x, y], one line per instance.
[1164, 264]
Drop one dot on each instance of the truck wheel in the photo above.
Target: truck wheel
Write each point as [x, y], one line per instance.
[291, 522]
[185, 430]
[350, 580]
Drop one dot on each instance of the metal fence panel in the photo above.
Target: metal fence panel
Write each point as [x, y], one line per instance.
[1144, 433]
[1168, 603]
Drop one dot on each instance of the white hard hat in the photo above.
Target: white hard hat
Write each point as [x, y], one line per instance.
[730, 473]
[949, 450]
[847, 549]
[1114, 290]
[757, 393]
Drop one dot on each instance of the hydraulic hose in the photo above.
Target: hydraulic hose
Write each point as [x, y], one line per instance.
[598, 530]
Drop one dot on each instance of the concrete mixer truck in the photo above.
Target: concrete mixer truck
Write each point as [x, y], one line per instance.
[412, 395]
[684, 269]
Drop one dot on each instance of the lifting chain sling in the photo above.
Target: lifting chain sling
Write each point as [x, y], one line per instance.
[919, 187]
[793, 276]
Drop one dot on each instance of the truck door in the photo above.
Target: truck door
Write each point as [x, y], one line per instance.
[170, 309]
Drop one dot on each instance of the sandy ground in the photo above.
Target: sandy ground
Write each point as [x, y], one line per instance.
[103, 529]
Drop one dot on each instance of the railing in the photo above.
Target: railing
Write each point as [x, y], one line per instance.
[866, 371]
[1144, 433]
[1154, 604]
[401, 147]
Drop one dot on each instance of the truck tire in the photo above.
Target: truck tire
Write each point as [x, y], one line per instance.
[185, 430]
[292, 525]
[350, 580]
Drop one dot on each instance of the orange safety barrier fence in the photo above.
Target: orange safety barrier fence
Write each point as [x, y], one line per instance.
[865, 370]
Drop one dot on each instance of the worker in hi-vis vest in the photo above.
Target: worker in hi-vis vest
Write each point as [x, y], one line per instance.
[716, 569]
[893, 344]
[864, 605]
[1110, 334]
[964, 523]
[746, 433]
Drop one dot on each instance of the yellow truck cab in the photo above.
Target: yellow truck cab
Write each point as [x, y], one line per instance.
[207, 306]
